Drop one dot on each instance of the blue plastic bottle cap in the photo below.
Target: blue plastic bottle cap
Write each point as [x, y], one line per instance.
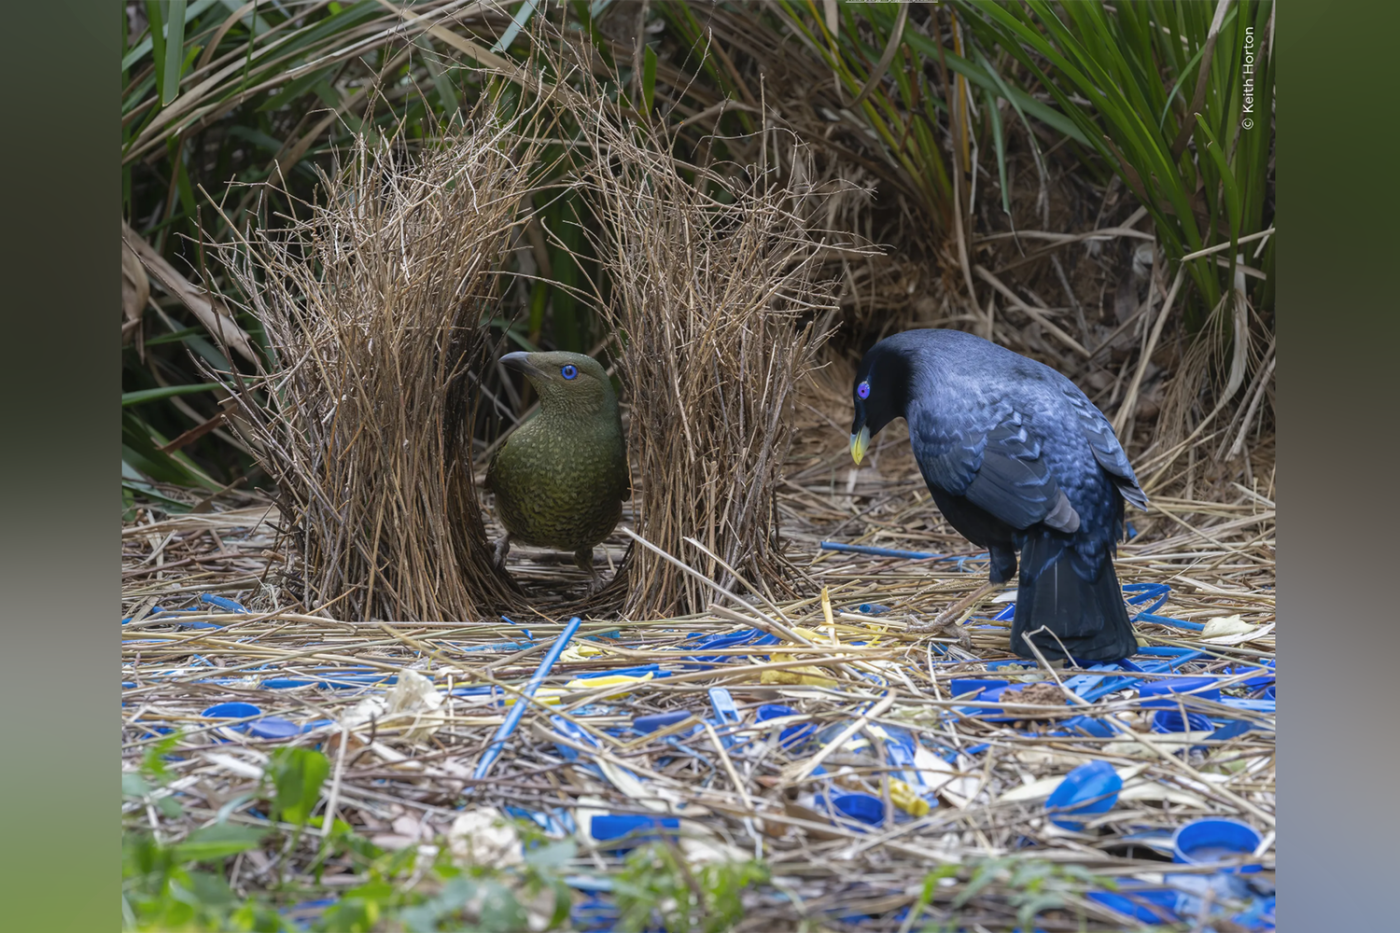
[864, 807]
[1169, 720]
[231, 711]
[1158, 693]
[1087, 790]
[1207, 841]
[272, 727]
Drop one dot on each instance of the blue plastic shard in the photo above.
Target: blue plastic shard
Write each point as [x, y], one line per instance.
[655, 721]
[1163, 693]
[222, 602]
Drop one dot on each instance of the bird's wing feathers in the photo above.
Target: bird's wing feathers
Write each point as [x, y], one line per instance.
[998, 468]
[1107, 451]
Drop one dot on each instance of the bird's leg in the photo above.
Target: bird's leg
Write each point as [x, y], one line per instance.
[950, 615]
[502, 549]
[583, 558]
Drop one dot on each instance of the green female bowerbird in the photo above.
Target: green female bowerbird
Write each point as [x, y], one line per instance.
[561, 477]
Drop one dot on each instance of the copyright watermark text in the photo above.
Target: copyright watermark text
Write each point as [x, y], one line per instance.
[1247, 72]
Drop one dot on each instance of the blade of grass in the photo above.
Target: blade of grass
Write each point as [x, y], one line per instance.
[174, 51]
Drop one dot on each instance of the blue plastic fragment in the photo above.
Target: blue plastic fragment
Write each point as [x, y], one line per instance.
[1232, 728]
[959, 686]
[1266, 674]
[1208, 841]
[635, 830]
[1088, 725]
[866, 808]
[1163, 620]
[640, 670]
[1169, 720]
[655, 721]
[222, 602]
[1254, 706]
[793, 734]
[1160, 693]
[521, 627]
[1087, 790]
[273, 728]
[1146, 905]
[231, 711]
[316, 724]
[873, 609]
[1142, 592]
[1006, 615]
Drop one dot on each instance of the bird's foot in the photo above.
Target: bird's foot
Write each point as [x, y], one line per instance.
[950, 617]
[502, 549]
[583, 559]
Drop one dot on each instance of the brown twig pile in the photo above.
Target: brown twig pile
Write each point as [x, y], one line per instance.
[373, 307]
[720, 311]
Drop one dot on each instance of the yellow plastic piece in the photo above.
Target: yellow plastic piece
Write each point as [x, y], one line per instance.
[612, 680]
[796, 676]
[549, 696]
[904, 797]
[580, 651]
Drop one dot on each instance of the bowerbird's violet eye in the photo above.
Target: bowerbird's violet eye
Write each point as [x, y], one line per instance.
[569, 371]
[863, 390]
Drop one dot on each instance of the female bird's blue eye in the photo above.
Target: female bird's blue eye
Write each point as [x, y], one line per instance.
[569, 371]
[863, 390]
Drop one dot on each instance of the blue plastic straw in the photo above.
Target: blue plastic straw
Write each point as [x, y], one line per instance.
[517, 710]
[879, 551]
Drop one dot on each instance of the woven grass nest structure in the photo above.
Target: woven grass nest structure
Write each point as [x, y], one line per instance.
[376, 303]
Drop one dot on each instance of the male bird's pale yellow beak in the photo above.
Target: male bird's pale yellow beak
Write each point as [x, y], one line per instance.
[859, 444]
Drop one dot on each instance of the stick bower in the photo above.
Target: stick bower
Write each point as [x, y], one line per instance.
[374, 308]
[720, 312]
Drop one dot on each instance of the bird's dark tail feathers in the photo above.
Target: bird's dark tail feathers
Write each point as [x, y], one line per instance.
[1088, 618]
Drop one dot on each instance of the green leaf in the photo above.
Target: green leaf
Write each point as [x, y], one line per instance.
[151, 395]
[157, 40]
[1227, 179]
[218, 841]
[174, 51]
[134, 785]
[648, 78]
[298, 774]
[553, 856]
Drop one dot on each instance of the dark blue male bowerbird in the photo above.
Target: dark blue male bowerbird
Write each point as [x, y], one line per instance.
[1017, 459]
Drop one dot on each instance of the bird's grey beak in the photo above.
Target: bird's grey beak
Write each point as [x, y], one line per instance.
[860, 443]
[520, 360]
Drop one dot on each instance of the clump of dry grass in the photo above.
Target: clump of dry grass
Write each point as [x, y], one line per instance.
[374, 307]
[720, 309]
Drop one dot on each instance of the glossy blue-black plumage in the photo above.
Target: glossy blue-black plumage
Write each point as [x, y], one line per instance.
[1018, 459]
